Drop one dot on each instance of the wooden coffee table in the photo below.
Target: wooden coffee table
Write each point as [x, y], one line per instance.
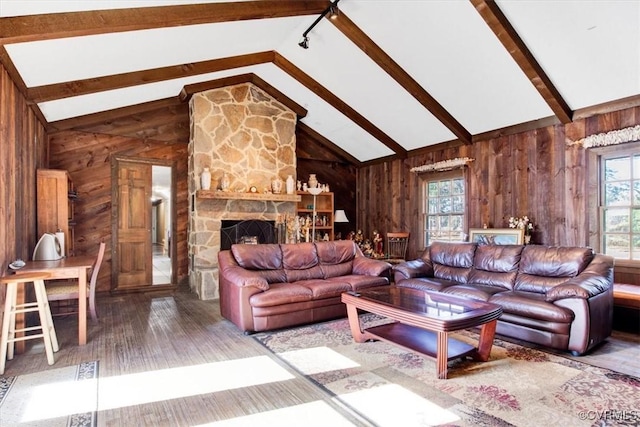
[423, 320]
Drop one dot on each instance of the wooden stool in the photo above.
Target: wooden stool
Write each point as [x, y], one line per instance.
[11, 308]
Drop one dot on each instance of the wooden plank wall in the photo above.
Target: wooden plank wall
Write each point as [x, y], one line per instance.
[535, 173]
[87, 157]
[22, 150]
[330, 168]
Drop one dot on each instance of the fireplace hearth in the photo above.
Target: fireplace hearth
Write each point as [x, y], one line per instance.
[251, 231]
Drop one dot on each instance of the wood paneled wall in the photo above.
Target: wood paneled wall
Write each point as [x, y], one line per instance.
[87, 157]
[535, 173]
[22, 150]
[330, 168]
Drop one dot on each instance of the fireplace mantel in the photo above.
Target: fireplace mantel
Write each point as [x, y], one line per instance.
[231, 195]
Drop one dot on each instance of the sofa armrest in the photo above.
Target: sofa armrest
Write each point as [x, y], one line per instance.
[245, 278]
[370, 267]
[595, 279]
[411, 269]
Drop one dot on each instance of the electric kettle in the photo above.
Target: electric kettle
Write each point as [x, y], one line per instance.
[48, 248]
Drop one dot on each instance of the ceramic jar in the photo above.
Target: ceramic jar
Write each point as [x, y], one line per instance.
[313, 181]
[205, 179]
[276, 186]
[291, 186]
[224, 182]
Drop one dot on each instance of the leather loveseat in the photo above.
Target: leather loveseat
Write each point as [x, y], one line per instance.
[559, 297]
[271, 286]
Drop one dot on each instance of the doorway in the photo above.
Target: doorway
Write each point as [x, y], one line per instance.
[161, 224]
[143, 221]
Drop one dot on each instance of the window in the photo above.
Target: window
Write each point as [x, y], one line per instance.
[620, 205]
[443, 207]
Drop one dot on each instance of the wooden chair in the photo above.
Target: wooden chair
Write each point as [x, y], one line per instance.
[68, 290]
[397, 243]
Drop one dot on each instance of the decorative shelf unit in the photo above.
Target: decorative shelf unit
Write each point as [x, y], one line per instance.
[324, 212]
[56, 196]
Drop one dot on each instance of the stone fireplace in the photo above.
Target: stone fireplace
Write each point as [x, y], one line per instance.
[243, 132]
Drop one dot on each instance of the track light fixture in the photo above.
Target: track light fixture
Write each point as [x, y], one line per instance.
[332, 9]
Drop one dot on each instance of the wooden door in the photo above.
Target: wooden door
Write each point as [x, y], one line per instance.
[132, 264]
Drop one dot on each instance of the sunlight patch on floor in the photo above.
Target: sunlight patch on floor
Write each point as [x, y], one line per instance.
[392, 405]
[154, 386]
[57, 399]
[311, 361]
[310, 414]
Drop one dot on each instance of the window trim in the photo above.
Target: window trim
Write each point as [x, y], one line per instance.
[425, 177]
[595, 159]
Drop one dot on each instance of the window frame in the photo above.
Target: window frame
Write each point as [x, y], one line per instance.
[595, 220]
[427, 177]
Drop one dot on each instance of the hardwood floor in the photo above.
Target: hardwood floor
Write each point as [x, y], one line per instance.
[172, 360]
[156, 333]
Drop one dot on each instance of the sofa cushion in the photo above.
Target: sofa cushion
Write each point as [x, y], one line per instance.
[358, 282]
[426, 283]
[281, 293]
[335, 252]
[543, 267]
[452, 261]
[336, 257]
[496, 265]
[475, 291]
[300, 262]
[258, 257]
[321, 288]
[531, 305]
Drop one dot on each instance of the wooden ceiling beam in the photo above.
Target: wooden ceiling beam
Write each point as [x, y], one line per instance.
[504, 31]
[189, 90]
[324, 93]
[72, 24]
[107, 116]
[396, 72]
[607, 107]
[118, 81]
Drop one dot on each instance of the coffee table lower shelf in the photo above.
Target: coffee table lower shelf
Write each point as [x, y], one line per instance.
[419, 340]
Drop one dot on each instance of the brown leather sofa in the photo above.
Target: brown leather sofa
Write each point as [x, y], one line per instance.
[271, 286]
[559, 297]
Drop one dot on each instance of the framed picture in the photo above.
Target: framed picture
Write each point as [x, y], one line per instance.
[496, 236]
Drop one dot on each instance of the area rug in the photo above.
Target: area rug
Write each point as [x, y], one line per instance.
[56, 397]
[518, 386]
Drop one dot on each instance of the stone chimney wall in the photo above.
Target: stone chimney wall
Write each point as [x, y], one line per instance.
[241, 131]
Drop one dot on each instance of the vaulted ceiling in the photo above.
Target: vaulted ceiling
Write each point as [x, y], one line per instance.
[382, 79]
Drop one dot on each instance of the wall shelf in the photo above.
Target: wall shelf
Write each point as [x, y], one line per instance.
[231, 195]
[324, 209]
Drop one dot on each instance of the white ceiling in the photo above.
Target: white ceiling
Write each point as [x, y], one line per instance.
[589, 49]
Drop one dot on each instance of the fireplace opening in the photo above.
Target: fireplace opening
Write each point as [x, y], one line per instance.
[252, 231]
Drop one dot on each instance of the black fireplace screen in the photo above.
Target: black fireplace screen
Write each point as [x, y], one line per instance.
[249, 231]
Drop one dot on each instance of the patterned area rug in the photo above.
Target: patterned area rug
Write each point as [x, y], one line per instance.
[57, 397]
[518, 386]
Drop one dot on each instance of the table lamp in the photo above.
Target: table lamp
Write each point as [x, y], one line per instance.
[340, 216]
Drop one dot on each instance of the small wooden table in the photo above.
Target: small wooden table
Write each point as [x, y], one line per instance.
[67, 268]
[423, 320]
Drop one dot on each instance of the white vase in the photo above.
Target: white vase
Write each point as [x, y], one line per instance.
[290, 185]
[313, 181]
[205, 179]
